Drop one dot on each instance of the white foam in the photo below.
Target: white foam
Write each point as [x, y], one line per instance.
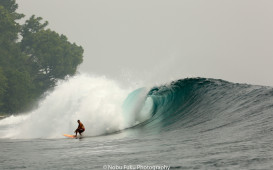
[96, 101]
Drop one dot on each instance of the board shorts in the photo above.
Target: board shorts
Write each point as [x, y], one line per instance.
[81, 130]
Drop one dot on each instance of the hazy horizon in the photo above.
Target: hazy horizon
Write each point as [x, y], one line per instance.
[164, 40]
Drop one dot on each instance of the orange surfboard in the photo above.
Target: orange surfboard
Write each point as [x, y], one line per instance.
[69, 136]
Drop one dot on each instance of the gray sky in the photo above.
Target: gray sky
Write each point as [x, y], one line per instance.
[156, 40]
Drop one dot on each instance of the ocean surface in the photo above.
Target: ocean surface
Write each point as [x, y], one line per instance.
[194, 123]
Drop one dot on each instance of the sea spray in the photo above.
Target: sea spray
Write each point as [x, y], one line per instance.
[96, 101]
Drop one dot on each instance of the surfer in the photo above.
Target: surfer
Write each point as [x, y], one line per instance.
[80, 128]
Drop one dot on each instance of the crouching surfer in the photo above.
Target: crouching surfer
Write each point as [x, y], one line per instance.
[80, 128]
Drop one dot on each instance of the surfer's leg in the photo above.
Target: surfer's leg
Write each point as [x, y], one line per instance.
[80, 131]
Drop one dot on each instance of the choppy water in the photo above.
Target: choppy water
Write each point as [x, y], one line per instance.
[189, 124]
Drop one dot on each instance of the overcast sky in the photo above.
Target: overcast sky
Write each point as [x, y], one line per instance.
[157, 40]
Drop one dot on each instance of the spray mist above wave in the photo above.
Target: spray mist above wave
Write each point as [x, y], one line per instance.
[96, 101]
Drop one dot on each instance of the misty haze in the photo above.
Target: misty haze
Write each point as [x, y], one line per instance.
[97, 84]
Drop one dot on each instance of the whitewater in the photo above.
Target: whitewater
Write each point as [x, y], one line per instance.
[192, 123]
[97, 101]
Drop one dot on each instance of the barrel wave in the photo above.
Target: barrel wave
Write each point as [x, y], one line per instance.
[195, 105]
[211, 106]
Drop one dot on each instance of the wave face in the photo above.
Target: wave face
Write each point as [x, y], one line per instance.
[210, 106]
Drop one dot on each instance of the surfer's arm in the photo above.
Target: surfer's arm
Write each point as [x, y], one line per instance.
[77, 128]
